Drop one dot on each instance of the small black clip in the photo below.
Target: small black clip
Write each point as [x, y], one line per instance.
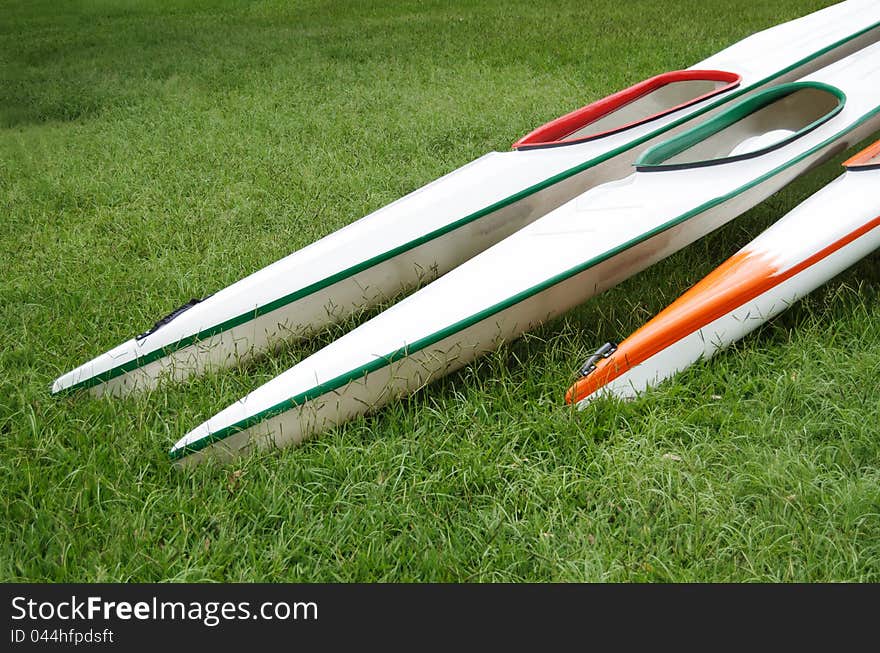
[603, 352]
[165, 320]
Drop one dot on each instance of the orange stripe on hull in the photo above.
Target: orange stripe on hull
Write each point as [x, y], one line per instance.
[738, 280]
[870, 155]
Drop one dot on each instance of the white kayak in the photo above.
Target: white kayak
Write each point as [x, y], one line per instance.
[682, 189]
[817, 240]
[437, 227]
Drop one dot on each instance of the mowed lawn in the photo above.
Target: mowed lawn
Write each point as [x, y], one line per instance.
[151, 152]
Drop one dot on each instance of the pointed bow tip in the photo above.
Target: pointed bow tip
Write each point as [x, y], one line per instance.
[62, 384]
[188, 444]
[584, 389]
[182, 456]
[179, 450]
[194, 442]
[579, 395]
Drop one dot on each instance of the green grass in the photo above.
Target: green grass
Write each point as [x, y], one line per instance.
[154, 151]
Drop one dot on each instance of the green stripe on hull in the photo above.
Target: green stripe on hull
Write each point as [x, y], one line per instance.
[427, 341]
[376, 260]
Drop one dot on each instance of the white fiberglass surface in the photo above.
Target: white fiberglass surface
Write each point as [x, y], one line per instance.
[772, 47]
[767, 126]
[653, 103]
[831, 214]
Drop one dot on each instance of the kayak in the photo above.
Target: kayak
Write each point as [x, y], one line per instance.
[817, 240]
[432, 230]
[682, 189]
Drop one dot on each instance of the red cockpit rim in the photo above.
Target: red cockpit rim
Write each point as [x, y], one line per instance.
[553, 133]
[867, 159]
